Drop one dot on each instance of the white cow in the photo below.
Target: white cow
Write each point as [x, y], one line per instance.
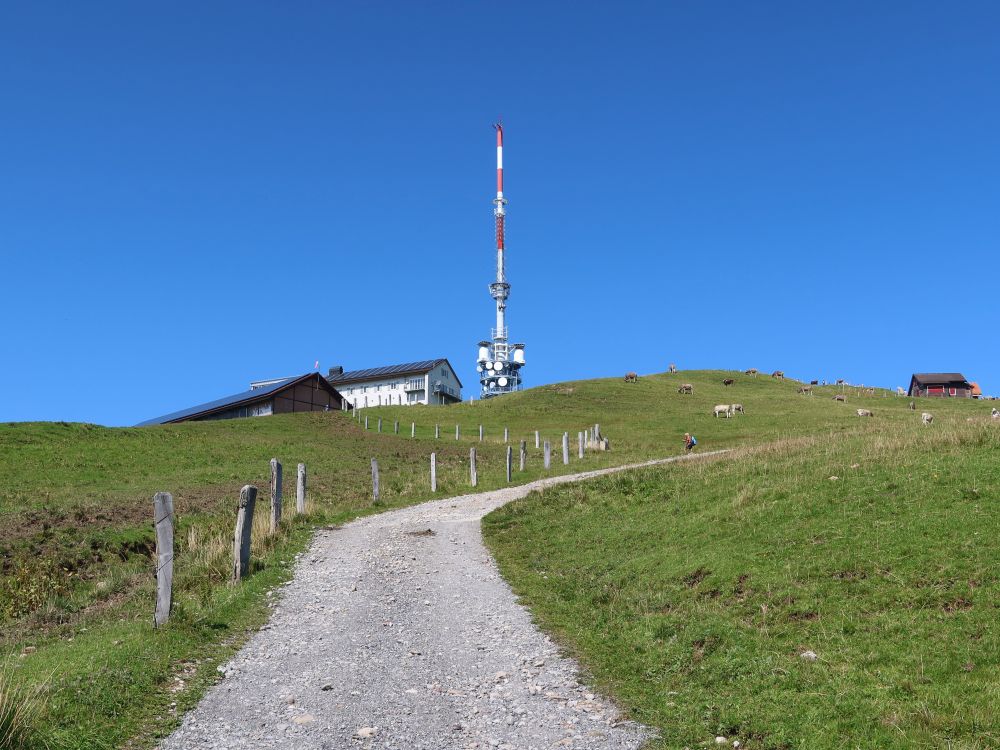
[865, 413]
[722, 409]
[736, 409]
[926, 417]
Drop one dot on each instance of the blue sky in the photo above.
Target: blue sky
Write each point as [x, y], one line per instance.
[194, 195]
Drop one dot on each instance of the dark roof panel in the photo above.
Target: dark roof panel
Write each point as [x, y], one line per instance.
[378, 372]
[248, 397]
[939, 377]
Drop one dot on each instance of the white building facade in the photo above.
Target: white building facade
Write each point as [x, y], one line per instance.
[430, 382]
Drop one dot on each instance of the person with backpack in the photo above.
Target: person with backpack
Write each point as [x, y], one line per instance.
[690, 441]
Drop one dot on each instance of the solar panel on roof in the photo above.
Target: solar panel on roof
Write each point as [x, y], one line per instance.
[236, 398]
[374, 372]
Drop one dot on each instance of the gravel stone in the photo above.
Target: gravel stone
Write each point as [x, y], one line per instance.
[416, 642]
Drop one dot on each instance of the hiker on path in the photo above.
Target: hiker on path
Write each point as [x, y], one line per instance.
[690, 441]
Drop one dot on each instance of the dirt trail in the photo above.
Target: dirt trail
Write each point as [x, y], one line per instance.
[397, 632]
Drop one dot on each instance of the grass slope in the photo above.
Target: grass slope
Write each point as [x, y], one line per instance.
[691, 592]
[76, 584]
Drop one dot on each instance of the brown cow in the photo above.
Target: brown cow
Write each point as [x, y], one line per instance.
[728, 381]
[686, 388]
[840, 397]
[806, 389]
[631, 377]
[752, 372]
[779, 374]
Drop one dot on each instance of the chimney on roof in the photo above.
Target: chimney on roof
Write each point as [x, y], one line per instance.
[334, 371]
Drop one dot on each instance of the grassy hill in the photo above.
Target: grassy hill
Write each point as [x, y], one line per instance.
[832, 591]
[76, 588]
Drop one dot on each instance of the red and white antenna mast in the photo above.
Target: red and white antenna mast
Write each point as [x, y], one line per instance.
[499, 361]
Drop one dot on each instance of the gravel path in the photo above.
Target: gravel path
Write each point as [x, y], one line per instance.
[393, 636]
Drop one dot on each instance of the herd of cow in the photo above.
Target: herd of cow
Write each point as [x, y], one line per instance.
[730, 410]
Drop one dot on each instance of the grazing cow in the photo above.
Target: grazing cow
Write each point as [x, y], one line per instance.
[737, 409]
[722, 409]
[672, 368]
[813, 382]
[686, 388]
[995, 413]
[840, 397]
[806, 389]
[631, 377]
[869, 391]
[913, 406]
[728, 381]
[840, 381]
[779, 374]
[926, 418]
[866, 413]
[752, 372]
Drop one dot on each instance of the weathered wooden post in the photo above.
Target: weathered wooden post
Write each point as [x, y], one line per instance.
[548, 454]
[375, 480]
[244, 526]
[536, 439]
[510, 461]
[506, 435]
[579, 437]
[458, 432]
[163, 523]
[472, 466]
[524, 453]
[395, 427]
[275, 494]
[437, 432]
[413, 429]
[366, 421]
[434, 472]
[300, 489]
[380, 424]
[480, 433]
[565, 447]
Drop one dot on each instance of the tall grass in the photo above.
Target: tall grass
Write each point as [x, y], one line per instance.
[22, 714]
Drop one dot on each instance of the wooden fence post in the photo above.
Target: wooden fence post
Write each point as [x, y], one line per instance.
[480, 433]
[163, 522]
[300, 489]
[244, 526]
[548, 454]
[524, 453]
[380, 424]
[413, 429]
[579, 437]
[458, 432]
[375, 480]
[510, 461]
[472, 466]
[536, 439]
[275, 494]
[395, 427]
[437, 432]
[434, 472]
[565, 447]
[506, 435]
[366, 421]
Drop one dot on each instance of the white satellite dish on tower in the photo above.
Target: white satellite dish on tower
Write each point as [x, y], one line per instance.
[479, 368]
[502, 382]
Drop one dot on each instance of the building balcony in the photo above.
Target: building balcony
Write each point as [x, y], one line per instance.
[417, 384]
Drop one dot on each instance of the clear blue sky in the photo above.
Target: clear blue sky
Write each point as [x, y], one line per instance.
[193, 195]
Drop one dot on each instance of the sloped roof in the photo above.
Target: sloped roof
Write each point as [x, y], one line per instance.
[976, 390]
[938, 377]
[376, 373]
[226, 402]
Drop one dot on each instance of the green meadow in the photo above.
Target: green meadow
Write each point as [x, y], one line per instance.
[77, 585]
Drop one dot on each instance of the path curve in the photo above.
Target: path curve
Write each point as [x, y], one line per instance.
[388, 638]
